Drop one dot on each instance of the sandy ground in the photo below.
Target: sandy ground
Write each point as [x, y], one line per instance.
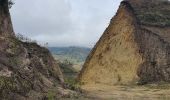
[105, 92]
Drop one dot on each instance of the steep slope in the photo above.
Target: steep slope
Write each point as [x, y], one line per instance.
[134, 48]
[5, 20]
[114, 58]
[27, 71]
[152, 12]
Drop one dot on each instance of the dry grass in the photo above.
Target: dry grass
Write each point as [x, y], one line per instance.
[105, 92]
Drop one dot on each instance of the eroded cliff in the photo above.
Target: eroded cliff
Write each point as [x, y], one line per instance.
[134, 48]
[27, 71]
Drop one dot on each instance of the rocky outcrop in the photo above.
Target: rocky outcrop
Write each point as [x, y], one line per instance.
[27, 71]
[5, 20]
[134, 48]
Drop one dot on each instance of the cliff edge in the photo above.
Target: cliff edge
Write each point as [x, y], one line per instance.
[27, 71]
[135, 48]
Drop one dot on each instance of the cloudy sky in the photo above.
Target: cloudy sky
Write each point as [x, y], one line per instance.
[63, 22]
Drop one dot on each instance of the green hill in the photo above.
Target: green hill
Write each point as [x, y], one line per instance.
[74, 55]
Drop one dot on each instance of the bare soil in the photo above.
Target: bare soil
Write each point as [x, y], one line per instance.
[148, 92]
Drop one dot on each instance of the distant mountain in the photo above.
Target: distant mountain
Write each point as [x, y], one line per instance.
[71, 58]
[75, 55]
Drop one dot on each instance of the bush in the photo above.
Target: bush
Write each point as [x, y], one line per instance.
[24, 38]
[10, 3]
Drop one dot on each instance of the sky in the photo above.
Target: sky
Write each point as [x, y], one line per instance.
[63, 23]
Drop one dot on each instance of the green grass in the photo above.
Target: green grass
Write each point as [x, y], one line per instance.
[72, 84]
[51, 95]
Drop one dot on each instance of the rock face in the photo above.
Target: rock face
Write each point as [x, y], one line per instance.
[5, 20]
[27, 71]
[135, 48]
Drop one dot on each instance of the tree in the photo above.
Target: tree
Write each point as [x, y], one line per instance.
[6, 2]
[10, 3]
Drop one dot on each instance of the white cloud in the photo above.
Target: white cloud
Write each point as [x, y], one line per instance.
[63, 22]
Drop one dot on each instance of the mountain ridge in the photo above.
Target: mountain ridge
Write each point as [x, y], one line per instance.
[72, 52]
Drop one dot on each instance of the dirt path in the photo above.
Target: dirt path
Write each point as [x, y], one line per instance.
[105, 92]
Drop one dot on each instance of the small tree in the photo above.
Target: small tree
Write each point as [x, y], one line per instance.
[46, 45]
[24, 38]
[10, 3]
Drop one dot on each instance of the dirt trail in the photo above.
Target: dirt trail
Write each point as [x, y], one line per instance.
[105, 92]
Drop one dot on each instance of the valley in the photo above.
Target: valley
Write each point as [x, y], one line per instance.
[131, 60]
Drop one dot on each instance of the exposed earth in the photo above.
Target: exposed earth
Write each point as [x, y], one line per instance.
[133, 92]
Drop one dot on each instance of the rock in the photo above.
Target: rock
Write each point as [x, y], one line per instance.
[135, 48]
[27, 70]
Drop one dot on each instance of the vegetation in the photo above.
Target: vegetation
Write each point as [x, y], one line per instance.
[70, 75]
[73, 54]
[67, 67]
[156, 12]
[51, 95]
[72, 84]
[23, 38]
[10, 3]
[7, 83]
[160, 85]
[69, 57]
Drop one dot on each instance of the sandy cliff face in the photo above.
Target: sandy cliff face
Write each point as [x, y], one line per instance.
[130, 49]
[27, 71]
[114, 59]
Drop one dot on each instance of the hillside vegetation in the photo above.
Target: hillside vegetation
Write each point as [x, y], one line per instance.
[27, 70]
[71, 60]
[73, 54]
[152, 12]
